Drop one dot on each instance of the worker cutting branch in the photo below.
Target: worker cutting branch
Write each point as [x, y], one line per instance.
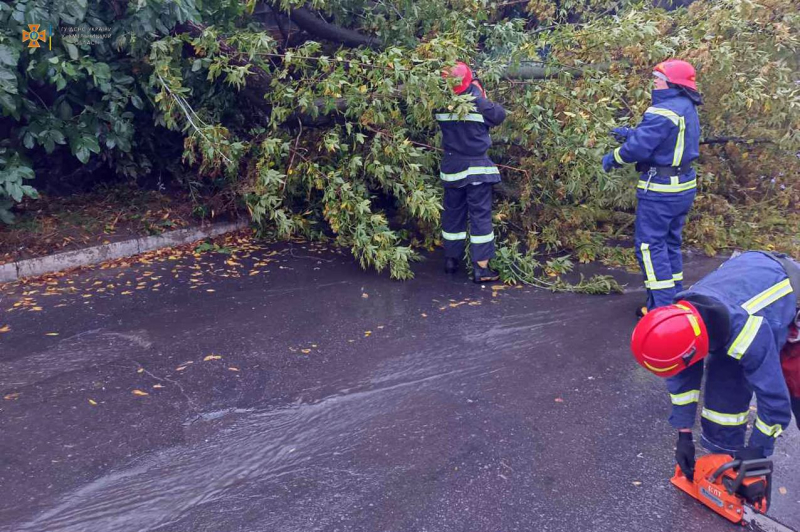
[741, 324]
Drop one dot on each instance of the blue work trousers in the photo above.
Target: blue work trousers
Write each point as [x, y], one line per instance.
[658, 238]
[475, 201]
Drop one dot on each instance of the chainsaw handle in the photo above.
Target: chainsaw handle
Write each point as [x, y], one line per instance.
[747, 469]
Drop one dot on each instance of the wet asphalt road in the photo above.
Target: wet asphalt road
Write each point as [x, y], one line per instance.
[311, 396]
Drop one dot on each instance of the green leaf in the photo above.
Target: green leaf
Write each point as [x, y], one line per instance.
[8, 56]
[91, 144]
[82, 154]
[64, 110]
[72, 50]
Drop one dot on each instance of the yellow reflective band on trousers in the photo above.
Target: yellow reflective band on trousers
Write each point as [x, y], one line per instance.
[768, 297]
[452, 117]
[729, 420]
[664, 188]
[677, 276]
[746, 336]
[454, 236]
[481, 239]
[472, 170]
[770, 430]
[651, 282]
[617, 156]
[686, 398]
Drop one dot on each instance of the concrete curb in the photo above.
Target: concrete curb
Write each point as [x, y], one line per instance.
[14, 271]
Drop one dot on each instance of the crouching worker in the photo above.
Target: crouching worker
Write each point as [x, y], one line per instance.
[736, 321]
[468, 175]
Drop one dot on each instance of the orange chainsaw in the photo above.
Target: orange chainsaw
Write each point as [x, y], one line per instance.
[738, 490]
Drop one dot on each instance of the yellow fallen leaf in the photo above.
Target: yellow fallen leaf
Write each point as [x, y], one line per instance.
[211, 357]
[210, 290]
[305, 351]
[92, 402]
[782, 490]
[158, 386]
[37, 309]
[51, 334]
[365, 295]
[11, 396]
[140, 393]
[498, 287]
[5, 328]
[232, 368]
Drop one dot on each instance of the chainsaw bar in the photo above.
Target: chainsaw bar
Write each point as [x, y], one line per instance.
[762, 523]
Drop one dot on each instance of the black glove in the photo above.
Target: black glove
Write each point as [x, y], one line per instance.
[750, 453]
[685, 454]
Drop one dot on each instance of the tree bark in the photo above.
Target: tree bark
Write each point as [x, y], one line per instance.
[312, 23]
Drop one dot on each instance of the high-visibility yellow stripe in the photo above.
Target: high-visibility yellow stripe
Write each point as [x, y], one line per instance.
[617, 156]
[729, 420]
[658, 370]
[454, 236]
[695, 325]
[679, 143]
[452, 117]
[677, 276]
[481, 239]
[472, 170]
[686, 398]
[659, 285]
[649, 272]
[770, 430]
[745, 338]
[661, 187]
[768, 297]
[666, 113]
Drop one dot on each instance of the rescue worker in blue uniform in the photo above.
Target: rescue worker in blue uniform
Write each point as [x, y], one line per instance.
[468, 175]
[663, 147]
[739, 317]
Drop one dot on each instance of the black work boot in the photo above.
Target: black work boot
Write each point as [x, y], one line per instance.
[450, 265]
[483, 275]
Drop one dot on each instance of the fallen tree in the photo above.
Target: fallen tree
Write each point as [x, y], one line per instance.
[325, 129]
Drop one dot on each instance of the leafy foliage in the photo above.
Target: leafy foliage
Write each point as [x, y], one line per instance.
[328, 141]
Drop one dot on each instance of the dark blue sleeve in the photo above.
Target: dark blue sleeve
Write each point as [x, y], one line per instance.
[644, 139]
[762, 369]
[684, 393]
[493, 113]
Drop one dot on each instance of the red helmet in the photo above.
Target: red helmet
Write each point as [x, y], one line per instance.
[677, 72]
[462, 71]
[670, 339]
